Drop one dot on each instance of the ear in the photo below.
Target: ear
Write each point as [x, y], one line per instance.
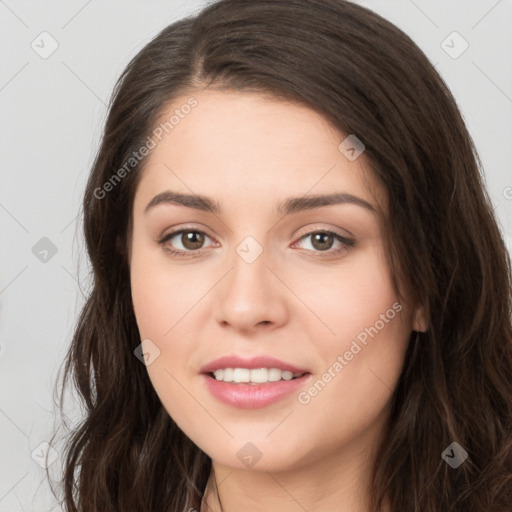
[420, 323]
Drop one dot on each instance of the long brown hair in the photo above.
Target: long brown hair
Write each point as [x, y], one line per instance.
[370, 79]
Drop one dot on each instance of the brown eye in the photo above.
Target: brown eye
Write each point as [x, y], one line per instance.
[192, 239]
[322, 241]
[327, 242]
[184, 242]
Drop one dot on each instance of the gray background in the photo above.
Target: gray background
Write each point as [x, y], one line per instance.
[53, 107]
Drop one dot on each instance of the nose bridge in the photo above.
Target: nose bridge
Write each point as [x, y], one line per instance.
[250, 276]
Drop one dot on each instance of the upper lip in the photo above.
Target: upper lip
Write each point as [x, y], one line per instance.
[251, 363]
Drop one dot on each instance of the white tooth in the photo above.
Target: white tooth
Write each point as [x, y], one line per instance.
[254, 376]
[259, 375]
[274, 374]
[228, 375]
[241, 375]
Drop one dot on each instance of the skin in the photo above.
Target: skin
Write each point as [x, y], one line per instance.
[250, 152]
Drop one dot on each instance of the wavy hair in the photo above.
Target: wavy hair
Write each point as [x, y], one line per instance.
[367, 78]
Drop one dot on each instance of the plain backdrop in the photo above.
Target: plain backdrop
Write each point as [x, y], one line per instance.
[59, 62]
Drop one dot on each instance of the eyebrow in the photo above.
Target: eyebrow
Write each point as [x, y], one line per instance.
[290, 205]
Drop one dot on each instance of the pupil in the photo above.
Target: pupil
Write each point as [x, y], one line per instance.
[320, 237]
[192, 240]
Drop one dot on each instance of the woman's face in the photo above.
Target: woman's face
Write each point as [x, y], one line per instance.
[265, 268]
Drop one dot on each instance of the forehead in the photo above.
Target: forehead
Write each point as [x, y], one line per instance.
[246, 145]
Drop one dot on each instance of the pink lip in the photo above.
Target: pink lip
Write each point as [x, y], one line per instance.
[252, 363]
[253, 396]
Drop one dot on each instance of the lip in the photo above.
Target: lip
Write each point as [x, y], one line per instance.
[252, 363]
[253, 396]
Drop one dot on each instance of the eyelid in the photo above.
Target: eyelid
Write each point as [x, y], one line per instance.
[314, 228]
[184, 227]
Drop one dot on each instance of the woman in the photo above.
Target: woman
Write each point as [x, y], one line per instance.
[301, 297]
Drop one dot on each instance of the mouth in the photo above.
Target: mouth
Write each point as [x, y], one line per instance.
[252, 383]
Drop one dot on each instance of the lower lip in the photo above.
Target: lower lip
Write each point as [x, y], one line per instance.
[253, 396]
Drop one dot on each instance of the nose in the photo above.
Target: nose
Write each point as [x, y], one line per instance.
[251, 297]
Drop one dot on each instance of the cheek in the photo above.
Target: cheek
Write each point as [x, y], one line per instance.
[362, 356]
[167, 300]
[362, 362]
[162, 294]
[150, 300]
[368, 299]
[350, 297]
[161, 300]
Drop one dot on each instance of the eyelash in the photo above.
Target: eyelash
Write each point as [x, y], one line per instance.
[347, 243]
